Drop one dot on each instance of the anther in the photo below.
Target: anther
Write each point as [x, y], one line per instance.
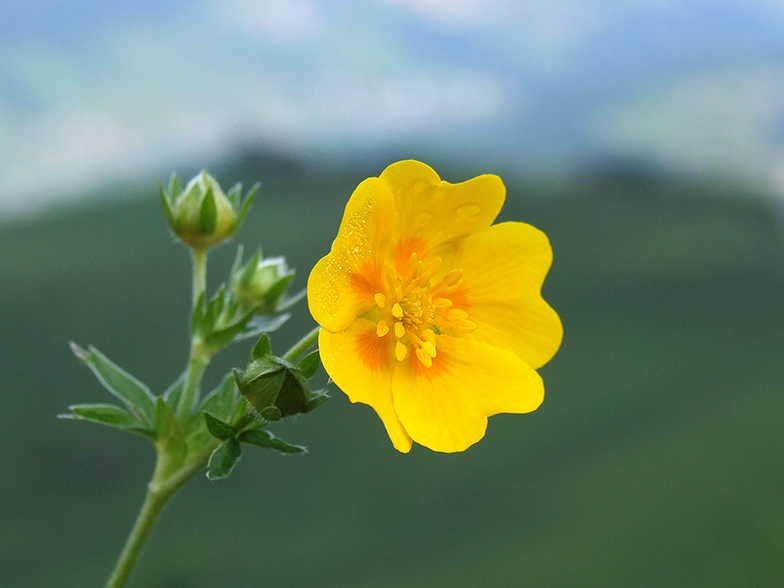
[381, 300]
[382, 328]
[400, 351]
[424, 357]
[400, 330]
[397, 310]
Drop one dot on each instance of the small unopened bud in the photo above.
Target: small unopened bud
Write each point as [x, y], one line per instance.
[201, 215]
[262, 283]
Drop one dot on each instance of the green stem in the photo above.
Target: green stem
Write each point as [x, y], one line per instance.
[198, 359]
[301, 346]
[199, 274]
[197, 362]
[159, 491]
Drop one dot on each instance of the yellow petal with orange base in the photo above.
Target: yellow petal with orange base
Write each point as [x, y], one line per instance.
[360, 363]
[436, 212]
[342, 284]
[445, 407]
[503, 271]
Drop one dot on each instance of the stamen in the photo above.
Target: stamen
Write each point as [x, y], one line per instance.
[456, 314]
[400, 351]
[429, 335]
[382, 328]
[429, 348]
[400, 330]
[442, 303]
[424, 357]
[397, 310]
[381, 300]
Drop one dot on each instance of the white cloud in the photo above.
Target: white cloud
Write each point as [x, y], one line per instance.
[711, 121]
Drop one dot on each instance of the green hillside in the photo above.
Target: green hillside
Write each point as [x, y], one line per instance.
[655, 460]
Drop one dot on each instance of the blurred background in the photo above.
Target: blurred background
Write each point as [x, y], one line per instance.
[646, 138]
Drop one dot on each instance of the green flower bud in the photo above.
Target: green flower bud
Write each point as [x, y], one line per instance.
[201, 215]
[262, 283]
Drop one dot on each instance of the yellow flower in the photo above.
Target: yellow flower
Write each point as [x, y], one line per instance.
[431, 315]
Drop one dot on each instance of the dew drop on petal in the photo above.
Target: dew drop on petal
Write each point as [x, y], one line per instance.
[468, 211]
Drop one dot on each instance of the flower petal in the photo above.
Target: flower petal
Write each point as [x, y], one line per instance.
[438, 212]
[359, 362]
[342, 284]
[445, 407]
[503, 271]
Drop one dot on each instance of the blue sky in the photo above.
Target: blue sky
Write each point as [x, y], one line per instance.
[93, 91]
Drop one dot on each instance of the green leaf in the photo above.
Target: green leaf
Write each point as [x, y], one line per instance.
[316, 399]
[246, 205]
[136, 396]
[223, 459]
[266, 439]
[262, 348]
[197, 316]
[234, 194]
[170, 439]
[250, 268]
[175, 187]
[167, 210]
[270, 414]
[222, 337]
[218, 428]
[208, 214]
[110, 415]
[289, 301]
[220, 402]
[309, 364]
[267, 324]
[214, 308]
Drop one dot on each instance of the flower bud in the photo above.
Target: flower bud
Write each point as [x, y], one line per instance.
[201, 215]
[262, 283]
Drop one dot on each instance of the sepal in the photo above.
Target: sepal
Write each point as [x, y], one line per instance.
[223, 459]
[261, 438]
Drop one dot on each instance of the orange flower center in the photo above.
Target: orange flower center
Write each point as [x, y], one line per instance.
[418, 309]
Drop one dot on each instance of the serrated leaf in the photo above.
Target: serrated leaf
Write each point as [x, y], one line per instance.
[135, 395]
[170, 439]
[208, 213]
[110, 415]
[220, 402]
[261, 438]
[223, 459]
[309, 364]
[262, 348]
[218, 428]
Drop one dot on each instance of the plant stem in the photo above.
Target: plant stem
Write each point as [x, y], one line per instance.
[198, 360]
[301, 346]
[159, 491]
[199, 274]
